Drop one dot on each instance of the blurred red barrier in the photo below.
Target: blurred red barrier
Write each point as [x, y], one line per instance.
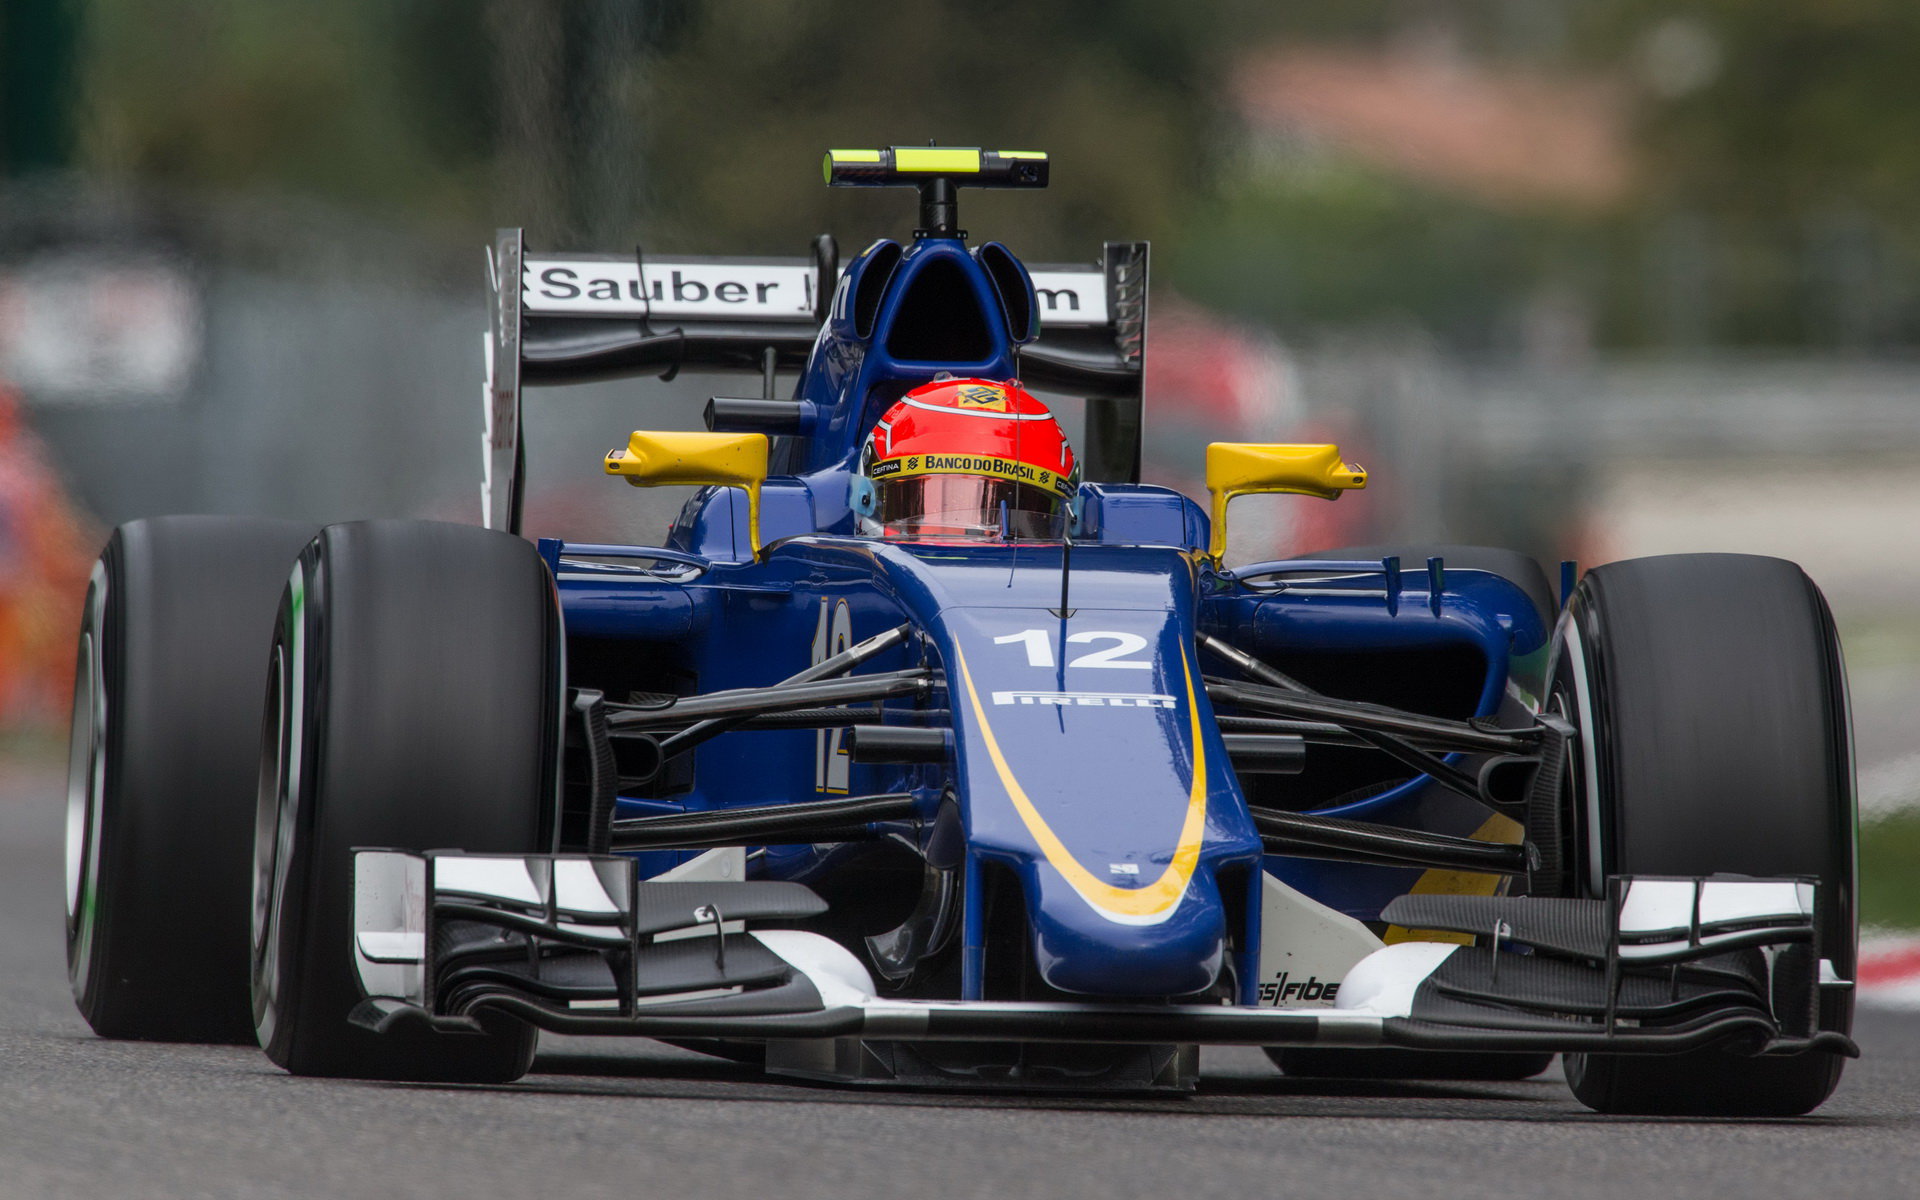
[46, 554]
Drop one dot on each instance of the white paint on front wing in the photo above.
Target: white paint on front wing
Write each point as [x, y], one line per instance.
[834, 972]
[1661, 905]
[606, 935]
[486, 877]
[390, 923]
[1728, 910]
[1382, 984]
[1306, 948]
[392, 946]
[580, 887]
[680, 997]
[704, 929]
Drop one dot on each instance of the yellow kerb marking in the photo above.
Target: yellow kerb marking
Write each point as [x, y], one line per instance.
[1155, 898]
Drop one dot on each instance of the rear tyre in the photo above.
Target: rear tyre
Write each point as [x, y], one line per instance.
[1711, 699]
[161, 768]
[415, 705]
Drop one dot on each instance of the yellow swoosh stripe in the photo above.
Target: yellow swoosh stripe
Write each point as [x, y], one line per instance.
[1155, 898]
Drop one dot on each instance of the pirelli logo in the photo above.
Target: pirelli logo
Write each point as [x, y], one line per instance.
[976, 464]
[1087, 699]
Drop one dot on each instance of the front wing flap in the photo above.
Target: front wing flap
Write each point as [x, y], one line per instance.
[578, 944]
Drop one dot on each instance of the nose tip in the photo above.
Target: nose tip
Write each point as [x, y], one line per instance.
[1079, 948]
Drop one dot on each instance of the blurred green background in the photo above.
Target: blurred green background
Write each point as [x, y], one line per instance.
[1593, 278]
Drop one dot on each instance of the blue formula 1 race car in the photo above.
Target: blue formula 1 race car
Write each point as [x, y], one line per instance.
[930, 749]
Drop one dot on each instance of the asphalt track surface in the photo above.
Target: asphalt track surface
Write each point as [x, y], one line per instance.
[80, 1116]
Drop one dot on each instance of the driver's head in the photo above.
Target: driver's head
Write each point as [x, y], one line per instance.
[967, 458]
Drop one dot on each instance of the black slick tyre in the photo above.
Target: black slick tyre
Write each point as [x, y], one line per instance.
[1710, 696]
[161, 768]
[414, 705]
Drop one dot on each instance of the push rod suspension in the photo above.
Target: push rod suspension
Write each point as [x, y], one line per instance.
[747, 702]
[771, 824]
[826, 668]
[820, 718]
[1388, 742]
[1314, 733]
[1372, 722]
[1300, 835]
[1435, 731]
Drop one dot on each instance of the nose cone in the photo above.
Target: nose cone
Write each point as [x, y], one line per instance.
[1079, 949]
[1088, 761]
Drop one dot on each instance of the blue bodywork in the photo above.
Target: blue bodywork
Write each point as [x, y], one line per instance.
[1087, 771]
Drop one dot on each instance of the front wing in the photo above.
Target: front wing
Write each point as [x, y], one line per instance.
[578, 944]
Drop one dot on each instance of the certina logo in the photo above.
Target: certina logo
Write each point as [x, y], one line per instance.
[1278, 993]
[1087, 699]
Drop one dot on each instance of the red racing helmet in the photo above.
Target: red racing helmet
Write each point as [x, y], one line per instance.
[969, 458]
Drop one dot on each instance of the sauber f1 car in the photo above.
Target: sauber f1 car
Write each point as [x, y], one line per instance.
[1038, 794]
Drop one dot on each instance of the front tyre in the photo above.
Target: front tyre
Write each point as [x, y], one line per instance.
[415, 705]
[1710, 697]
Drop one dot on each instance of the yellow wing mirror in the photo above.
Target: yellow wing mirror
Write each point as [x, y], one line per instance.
[723, 459]
[1243, 468]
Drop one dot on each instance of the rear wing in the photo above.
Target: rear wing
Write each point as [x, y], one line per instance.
[579, 318]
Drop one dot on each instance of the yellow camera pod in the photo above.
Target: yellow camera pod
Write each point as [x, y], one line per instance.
[654, 459]
[1243, 468]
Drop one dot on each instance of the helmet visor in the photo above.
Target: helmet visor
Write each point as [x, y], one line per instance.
[968, 506]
